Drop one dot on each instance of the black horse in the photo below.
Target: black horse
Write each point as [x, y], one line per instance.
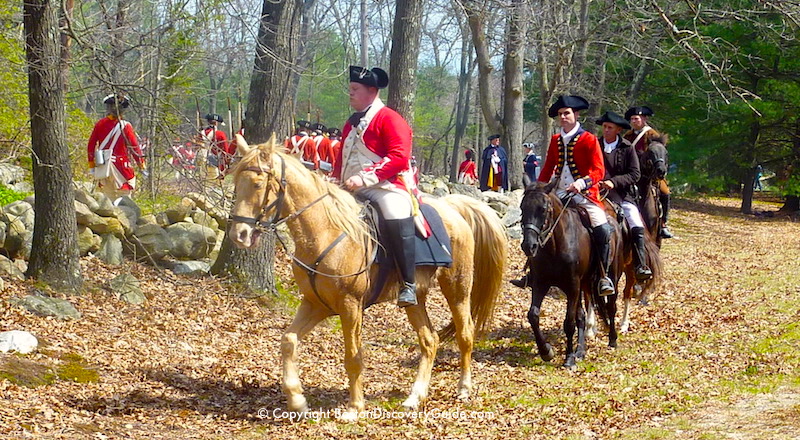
[559, 247]
[653, 162]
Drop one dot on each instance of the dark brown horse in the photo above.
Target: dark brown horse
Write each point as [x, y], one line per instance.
[559, 247]
[653, 163]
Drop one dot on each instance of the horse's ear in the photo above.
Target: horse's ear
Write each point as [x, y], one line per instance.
[526, 180]
[241, 145]
[550, 186]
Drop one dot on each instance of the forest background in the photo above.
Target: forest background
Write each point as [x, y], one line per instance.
[721, 76]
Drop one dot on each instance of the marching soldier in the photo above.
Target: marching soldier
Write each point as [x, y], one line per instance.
[111, 146]
[574, 157]
[640, 137]
[335, 136]
[298, 145]
[219, 155]
[622, 175]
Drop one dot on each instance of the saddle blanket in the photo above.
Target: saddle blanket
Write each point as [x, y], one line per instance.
[432, 251]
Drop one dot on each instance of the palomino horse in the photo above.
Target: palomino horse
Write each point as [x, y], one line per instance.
[334, 244]
[560, 250]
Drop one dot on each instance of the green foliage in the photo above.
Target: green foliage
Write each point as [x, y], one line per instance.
[8, 195]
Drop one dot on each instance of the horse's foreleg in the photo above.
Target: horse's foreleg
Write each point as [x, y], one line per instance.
[580, 322]
[307, 317]
[591, 318]
[611, 310]
[353, 362]
[570, 322]
[545, 349]
[428, 343]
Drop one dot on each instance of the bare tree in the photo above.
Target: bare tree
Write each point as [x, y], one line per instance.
[54, 253]
[404, 56]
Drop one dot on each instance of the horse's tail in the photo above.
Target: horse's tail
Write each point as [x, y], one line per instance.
[489, 257]
[656, 266]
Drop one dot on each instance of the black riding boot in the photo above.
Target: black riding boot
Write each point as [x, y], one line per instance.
[643, 273]
[522, 282]
[400, 237]
[602, 241]
[664, 199]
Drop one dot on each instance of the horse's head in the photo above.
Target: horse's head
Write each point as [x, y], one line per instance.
[654, 160]
[260, 186]
[537, 214]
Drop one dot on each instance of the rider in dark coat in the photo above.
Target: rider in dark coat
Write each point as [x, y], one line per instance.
[622, 174]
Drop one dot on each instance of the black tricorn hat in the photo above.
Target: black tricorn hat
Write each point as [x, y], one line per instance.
[614, 119]
[303, 124]
[571, 101]
[122, 101]
[375, 77]
[214, 117]
[493, 137]
[638, 110]
[320, 128]
[334, 132]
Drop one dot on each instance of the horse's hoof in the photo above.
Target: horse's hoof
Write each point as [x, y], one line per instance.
[591, 333]
[624, 328]
[350, 415]
[463, 394]
[570, 363]
[612, 344]
[298, 405]
[549, 355]
[644, 302]
[412, 403]
[580, 355]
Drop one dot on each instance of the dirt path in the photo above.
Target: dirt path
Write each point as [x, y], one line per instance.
[715, 355]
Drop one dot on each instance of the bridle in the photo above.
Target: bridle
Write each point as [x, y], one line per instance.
[277, 204]
[544, 233]
[272, 224]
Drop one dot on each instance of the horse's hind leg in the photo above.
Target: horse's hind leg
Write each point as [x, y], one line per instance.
[455, 290]
[307, 317]
[428, 344]
[574, 318]
[545, 349]
[591, 317]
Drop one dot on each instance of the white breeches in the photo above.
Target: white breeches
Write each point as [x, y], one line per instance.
[394, 205]
[632, 215]
[597, 216]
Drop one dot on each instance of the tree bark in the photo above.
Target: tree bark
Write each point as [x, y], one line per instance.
[463, 103]
[403, 57]
[271, 89]
[271, 85]
[514, 96]
[747, 191]
[54, 253]
[488, 107]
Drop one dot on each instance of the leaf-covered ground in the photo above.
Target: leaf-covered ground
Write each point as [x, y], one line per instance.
[715, 355]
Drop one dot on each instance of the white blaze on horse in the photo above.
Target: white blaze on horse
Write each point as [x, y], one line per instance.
[332, 241]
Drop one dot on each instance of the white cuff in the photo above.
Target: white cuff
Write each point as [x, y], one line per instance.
[580, 184]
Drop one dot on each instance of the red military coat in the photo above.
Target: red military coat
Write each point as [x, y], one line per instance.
[121, 157]
[585, 160]
[220, 146]
[388, 135]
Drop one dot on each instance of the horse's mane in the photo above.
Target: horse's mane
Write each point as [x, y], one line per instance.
[661, 138]
[341, 207]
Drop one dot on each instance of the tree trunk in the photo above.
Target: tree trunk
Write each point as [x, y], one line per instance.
[271, 83]
[271, 89]
[791, 204]
[488, 107]
[364, 59]
[462, 105]
[752, 143]
[403, 58]
[514, 95]
[54, 254]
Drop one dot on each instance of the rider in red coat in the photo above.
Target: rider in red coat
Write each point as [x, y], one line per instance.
[117, 138]
[376, 161]
[576, 160]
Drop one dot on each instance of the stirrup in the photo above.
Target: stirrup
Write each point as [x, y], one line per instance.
[605, 286]
[407, 296]
[643, 273]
